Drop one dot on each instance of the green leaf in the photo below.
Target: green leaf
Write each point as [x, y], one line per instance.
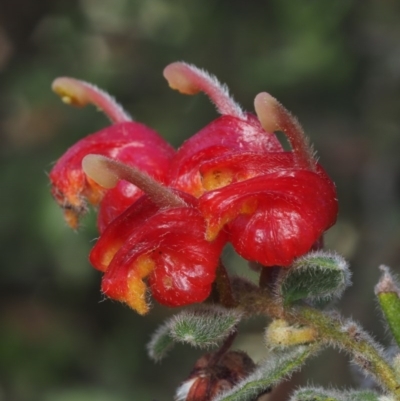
[161, 342]
[320, 394]
[202, 327]
[318, 277]
[388, 293]
[278, 365]
[205, 326]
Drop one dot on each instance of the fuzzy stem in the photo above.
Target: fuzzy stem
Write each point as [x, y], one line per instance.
[106, 172]
[224, 288]
[269, 276]
[329, 330]
[274, 117]
[223, 349]
[189, 80]
[352, 341]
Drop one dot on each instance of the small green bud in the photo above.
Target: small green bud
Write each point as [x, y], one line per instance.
[318, 277]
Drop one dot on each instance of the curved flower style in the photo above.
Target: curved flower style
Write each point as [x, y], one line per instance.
[161, 237]
[276, 204]
[127, 141]
[234, 132]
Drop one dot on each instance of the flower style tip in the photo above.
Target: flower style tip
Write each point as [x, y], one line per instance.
[80, 93]
[189, 80]
[275, 117]
[97, 168]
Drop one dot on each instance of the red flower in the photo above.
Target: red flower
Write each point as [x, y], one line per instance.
[231, 181]
[277, 204]
[273, 217]
[127, 141]
[161, 237]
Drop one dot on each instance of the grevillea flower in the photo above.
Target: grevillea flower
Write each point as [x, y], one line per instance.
[127, 141]
[161, 238]
[165, 216]
[275, 204]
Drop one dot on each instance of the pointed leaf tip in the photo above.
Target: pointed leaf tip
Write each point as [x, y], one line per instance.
[387, 283]
[160, 343]
[388, 294]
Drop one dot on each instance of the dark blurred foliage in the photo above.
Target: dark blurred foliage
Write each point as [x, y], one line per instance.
[335, 64]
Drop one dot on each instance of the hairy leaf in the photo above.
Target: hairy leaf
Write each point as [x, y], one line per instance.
[277, 366]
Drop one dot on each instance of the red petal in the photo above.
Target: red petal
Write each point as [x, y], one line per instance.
[129, 142]
[119, 230]
[185, 263]
[275, 217]
[234, 167]
[224, 135]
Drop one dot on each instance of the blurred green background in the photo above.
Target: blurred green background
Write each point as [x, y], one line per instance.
[335, 64]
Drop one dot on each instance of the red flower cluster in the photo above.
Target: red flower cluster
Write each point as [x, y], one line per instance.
[165, 216]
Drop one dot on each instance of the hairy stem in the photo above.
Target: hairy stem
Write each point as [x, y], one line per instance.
[348, 337]
[331, 330]
[224, 288]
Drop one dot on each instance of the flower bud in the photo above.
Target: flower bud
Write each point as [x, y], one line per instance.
[211, 376]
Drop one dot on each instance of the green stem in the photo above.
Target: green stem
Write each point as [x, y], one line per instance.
[345, 335]
[352, 340]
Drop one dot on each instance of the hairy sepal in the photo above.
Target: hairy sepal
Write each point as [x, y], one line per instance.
[317, 277]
